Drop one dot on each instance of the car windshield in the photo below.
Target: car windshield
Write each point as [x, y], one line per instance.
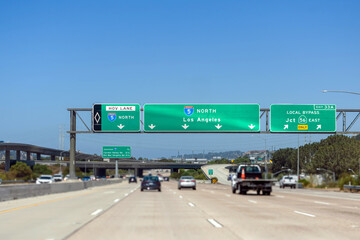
[151, 178]
[57, 175]
[45, 177]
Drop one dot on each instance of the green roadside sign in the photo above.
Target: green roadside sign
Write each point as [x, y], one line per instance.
[116, 152]
[116, 118]
[211, 172]
[201, 118]
[302, 118]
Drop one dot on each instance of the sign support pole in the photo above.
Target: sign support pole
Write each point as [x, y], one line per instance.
[117, 168]
[72, 144]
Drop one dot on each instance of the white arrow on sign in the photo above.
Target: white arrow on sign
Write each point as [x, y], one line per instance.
[121, 126]
[318, 127]
[152, 126]
[286, 126]
[218, 126]
[251, 126]
[185, 126]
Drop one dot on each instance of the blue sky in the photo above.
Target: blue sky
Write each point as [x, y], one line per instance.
[62, 54]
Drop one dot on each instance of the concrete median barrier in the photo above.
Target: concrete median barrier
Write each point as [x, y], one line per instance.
[11, 192]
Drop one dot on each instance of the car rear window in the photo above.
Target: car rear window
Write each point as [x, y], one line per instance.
[151, 178]
[187, 177]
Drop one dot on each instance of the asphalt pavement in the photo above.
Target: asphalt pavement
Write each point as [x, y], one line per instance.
[122, 211]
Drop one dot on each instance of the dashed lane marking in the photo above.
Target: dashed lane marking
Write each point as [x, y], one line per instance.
[96, 212]
[215, 223]
[323, 203]
[191, 204]
[305, 214]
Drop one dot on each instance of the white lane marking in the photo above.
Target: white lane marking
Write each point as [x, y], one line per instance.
[354, 226]
[305, 214]
[212, 192]
[252, 201]
[132, 191]
[228, 195]
[191, 204]
[323, 203]
[96, 212]
[180, 196]
[116, 200]
[279, 196]
[214, 223]
[174, 192]
[349, 207]
[126, 194]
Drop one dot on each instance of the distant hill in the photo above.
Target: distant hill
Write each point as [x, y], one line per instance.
[211, 155]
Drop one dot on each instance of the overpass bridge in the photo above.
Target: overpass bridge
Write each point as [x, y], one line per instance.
[84, 161]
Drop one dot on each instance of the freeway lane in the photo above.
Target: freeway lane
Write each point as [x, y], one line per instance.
[213, 212]
[56, 216]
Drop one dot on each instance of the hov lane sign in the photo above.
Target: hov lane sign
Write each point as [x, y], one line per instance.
[302, 118]
[116, 117]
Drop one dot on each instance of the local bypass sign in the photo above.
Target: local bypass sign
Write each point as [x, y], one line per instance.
[201, 118]
[116, 118]
[302, 118]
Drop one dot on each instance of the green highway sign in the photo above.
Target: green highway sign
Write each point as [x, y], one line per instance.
[201, 118]
[116, 152]
[302, 118]
[211, 172]
[116, 117]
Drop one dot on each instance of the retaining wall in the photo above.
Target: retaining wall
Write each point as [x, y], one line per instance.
[11, 192]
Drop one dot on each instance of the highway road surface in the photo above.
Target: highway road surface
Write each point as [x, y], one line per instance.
[122, 211]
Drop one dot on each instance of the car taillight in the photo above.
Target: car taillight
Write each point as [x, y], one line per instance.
[182, 181]
[193, 180]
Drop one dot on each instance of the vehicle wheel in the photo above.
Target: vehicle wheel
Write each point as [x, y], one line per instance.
[258, 192]
[179, 188]
[194, 188]
[142, 189]
[159, 189]
[233, 190]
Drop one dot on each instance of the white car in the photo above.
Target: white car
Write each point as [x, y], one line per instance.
[58, 177]
[288, 181]
[187, 182]
[45, 179]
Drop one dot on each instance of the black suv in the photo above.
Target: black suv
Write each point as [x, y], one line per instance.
[151, 183]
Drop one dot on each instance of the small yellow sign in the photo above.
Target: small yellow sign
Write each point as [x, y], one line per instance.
[302, 127]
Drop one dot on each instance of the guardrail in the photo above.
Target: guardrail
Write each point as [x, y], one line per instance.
[356, 188]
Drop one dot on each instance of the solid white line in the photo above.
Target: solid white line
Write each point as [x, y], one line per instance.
[96, 212]
[191, 204]
[252, 201]
[116, 200]
[306, 214]
[279, 196]
[180, 196]
[174, 192]
[126, 194]
[323, 203]
[215, 223]
[228, 195]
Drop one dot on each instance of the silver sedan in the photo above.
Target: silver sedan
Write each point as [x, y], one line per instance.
[187, 182]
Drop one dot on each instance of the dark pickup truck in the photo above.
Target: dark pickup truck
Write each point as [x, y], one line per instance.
[249, 177]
